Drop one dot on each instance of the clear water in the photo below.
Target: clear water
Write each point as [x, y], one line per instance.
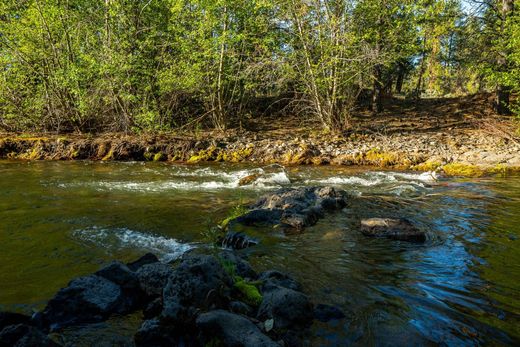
[59, 220]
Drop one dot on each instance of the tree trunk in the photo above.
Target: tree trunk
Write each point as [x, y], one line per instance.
[400, 78]
[377, 102]
[502, 92]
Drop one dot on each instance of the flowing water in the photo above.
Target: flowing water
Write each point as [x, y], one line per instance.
[59, 220]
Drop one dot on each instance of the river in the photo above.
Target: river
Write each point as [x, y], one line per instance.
[60, 220]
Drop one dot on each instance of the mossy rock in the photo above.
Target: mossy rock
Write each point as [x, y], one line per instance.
[380, 158]
[159, 156]
[250, 293]
[461, 169]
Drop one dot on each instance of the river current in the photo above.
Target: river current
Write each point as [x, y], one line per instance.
[60, 220]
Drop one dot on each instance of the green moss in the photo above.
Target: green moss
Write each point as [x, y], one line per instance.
[250, 293]
[460, 169]
[158, 156]
[204, 155]
[427, 166]
[377, 157]
[148, 156]
[235, 156]
[109, 155]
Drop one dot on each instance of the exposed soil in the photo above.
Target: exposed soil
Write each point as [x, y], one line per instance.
[463, 136]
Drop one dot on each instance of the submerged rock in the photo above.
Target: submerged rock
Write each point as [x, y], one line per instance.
[293, 208]
[396, 229]
[325, 313]
[231, 330]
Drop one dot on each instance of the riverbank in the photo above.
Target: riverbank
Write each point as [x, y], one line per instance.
[460, 137]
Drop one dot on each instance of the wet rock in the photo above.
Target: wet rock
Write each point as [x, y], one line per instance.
[86, 299]
[199, 283]
[293, 208]
[153, 278]
[273, 279]
[325, 313]
[240, 307]
[234, 240]
[23, 335]
[241, 267]
[259, 217]
[231, 330]
[288, 308]
[395, 229]
[12, 318]
[148, 258]
[120, 274]
[249, 179]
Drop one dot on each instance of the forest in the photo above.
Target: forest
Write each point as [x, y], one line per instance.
[130, 66]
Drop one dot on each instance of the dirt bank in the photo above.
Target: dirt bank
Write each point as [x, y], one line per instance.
[458, 136]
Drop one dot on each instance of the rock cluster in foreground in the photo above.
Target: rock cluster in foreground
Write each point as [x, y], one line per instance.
[204, 300]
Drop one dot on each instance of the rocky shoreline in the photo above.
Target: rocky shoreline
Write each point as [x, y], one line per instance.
[204, 299]
[457, 153]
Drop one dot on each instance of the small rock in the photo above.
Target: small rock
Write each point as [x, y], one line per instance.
[396, 229]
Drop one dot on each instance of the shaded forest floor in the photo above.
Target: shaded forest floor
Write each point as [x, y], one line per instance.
[457, 136]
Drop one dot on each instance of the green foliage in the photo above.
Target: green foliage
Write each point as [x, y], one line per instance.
[119, 65]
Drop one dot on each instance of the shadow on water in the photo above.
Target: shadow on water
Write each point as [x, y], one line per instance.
[61, 220]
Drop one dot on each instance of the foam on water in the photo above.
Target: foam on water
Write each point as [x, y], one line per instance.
[120, 238]
[198, 179]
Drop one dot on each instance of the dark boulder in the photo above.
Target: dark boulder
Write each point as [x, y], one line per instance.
[12, 318]
[153, 278]
[127, 280]
[273, 279]
[148, 258]
[231, 330]
[199, 283]
[293, 208]
[395, 229]
[325, 313]
[240, 307]
[288, 308]
[86, 299]
[23, 335]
